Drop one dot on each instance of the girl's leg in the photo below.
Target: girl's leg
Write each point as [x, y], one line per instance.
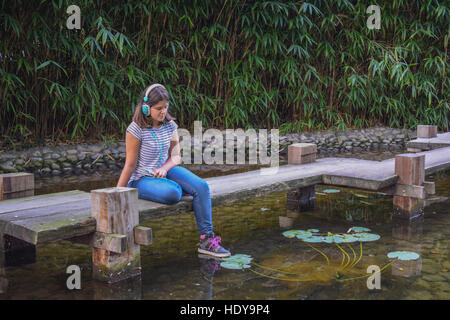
[199, 189]
[160, 190]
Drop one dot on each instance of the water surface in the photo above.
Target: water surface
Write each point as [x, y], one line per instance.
[282, 268]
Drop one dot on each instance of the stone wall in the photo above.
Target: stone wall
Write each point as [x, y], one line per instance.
[83, 158]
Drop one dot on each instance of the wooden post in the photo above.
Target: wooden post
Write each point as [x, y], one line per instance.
[16, 185]
[409, 192]
[116, 213]
[425, 131]
[410, 168]
[300, 153]
[301, 199]
[3, 280]
[15, 251]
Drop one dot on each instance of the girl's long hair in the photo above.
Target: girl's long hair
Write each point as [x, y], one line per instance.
[156, 95]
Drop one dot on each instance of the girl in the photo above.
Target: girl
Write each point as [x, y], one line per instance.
[149, 140]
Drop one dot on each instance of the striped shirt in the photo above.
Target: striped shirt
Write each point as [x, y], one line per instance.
[153, 153]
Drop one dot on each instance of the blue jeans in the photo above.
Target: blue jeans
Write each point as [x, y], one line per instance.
[169, 190]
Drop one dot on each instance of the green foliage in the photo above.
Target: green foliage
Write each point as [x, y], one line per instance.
[293, 65]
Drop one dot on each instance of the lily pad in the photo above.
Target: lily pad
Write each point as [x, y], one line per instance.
[233, 265]
[366, 237]
[331, 190]
[297, 233]
[347, 238]
[313, 239]
[360, 229]
[238, 258]
[237, 261]
[403, 255]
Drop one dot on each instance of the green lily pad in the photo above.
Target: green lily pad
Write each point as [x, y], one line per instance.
[238, 258]
[403, 255]
[366, 237]
[296, 233]
[347, 238]
[233, 265]
[360, 229]
[331, 190]
[313, 239]
[237, 261]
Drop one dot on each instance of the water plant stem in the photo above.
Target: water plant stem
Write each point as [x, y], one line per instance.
[319, 251]
[360, 255]
[279, 278]
[367, 275]
[346, 254]
[354, 254]
[272, 269]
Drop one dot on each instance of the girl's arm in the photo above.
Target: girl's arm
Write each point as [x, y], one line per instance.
[174, 157]
[132, 145]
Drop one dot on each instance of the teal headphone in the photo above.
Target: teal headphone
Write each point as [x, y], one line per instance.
[145, 106]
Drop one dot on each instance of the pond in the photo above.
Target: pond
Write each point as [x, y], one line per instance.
[281, 267]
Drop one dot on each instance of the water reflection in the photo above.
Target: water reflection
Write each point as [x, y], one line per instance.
[173, 270]
[208, 267]
[129, 289]
[407, 234]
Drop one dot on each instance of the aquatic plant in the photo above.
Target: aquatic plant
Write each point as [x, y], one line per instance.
[331, 190]
[403, 255]
[358, 229]
[237, 261]
[311, 235]
[358, 234]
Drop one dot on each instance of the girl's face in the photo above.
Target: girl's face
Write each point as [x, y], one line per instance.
[158, 111]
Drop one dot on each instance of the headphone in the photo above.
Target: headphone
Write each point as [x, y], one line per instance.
[145, 106]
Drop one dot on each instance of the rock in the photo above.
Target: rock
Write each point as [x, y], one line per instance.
[433, 278]
[36, 153]
[81, 156]
[45, 171]
[7, 166]
[96, 148]
[72, 158]
[66, 165]
[72, 152]
[54, 166]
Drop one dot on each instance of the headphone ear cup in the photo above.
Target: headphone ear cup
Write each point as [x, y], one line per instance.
[145, 110]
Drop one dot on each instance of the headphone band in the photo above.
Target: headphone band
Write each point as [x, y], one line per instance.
[151, 88]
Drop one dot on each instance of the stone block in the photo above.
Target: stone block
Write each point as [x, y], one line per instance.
[299, 153]
[426, 131]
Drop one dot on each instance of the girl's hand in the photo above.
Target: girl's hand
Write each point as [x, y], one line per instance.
[159, 173]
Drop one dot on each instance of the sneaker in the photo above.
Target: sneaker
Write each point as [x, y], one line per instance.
[209, 244]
